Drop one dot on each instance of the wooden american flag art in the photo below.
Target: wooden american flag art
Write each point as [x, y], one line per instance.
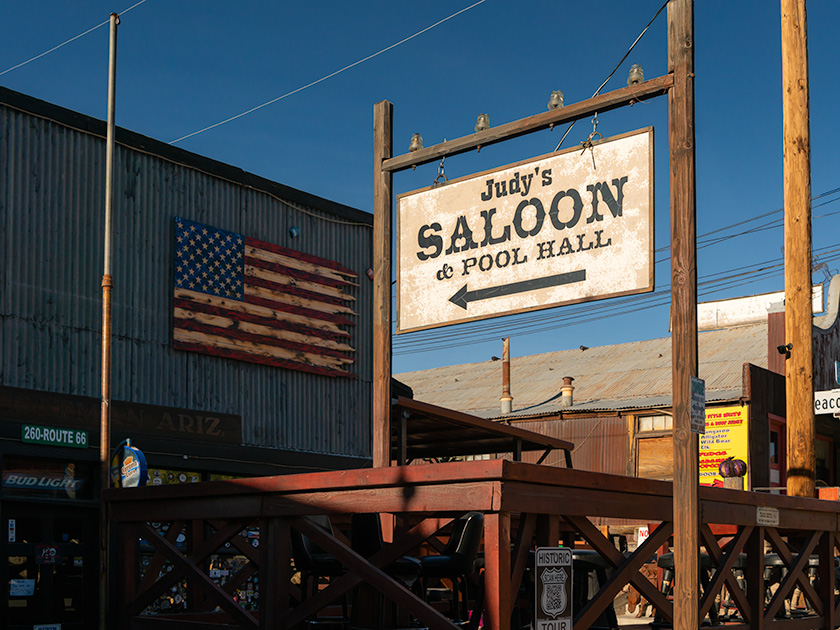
[245, 299]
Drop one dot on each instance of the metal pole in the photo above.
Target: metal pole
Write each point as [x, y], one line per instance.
[506, 400]
[107, 284]
[799, 367]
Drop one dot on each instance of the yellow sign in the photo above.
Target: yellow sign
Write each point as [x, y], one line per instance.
[727, 435]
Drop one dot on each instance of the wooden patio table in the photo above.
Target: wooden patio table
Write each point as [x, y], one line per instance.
[541, 496]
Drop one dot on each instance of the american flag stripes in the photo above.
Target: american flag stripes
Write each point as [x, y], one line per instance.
[245, 299]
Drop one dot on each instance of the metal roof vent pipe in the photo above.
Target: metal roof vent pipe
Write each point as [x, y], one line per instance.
[506, 400]
[566, 392]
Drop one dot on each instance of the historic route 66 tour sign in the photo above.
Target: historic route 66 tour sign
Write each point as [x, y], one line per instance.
[553, 571]
[560, 229]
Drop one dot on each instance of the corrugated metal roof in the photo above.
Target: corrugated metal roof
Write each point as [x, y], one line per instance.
[618, 377]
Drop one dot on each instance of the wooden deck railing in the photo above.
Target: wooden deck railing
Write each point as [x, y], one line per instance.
[218, 554]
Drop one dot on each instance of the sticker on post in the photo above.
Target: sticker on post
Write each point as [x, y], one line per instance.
[553, 571]
[766, 516]
[698, 405]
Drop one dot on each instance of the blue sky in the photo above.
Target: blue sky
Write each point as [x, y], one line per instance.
[184, 65]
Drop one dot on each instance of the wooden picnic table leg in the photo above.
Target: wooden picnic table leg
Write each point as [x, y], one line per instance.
[497, 608]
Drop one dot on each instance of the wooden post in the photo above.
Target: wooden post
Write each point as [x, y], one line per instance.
[497, 608]
[683, 311]
[799, 372]
[754, 574]
[382, 212]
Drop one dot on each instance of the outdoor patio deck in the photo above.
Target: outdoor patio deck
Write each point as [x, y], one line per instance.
[212, 515]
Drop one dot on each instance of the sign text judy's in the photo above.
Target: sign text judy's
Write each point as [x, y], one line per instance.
[558, 229]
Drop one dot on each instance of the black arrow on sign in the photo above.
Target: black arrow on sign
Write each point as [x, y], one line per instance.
[463, 297]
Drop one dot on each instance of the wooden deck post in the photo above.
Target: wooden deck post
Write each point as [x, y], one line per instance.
[275, 572]
[799, 368]
[684, 358]
[497, 609]
[382, 218]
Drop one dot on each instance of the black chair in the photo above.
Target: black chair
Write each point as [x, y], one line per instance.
[366, 539]
[775, 570]
[666, 562]
[457, 561]
[590, 572]
[314, 563]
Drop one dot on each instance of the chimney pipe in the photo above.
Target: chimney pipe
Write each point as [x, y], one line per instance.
[566, 392]
[506, 399]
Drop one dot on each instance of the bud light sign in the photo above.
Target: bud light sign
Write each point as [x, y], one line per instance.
[553, 573]
[128, 467]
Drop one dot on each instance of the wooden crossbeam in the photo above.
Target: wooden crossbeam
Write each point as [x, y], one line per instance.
[152, 588]
[157, 561]
[627, 570]
[723, 571]
[546, 120]
[369, 570]
[519, 557]
[795, 574]
[787, 557]
[192, 571]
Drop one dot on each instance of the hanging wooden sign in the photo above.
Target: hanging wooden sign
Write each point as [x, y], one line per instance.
[564, 228]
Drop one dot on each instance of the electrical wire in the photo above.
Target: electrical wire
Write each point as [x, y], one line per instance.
[328, 76]
[486, 327]
[617, 66]
[592, 312]
[72, 39]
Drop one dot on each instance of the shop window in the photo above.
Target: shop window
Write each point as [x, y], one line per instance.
[660, 422]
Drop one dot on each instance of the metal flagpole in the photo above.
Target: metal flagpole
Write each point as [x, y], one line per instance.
[107, 284]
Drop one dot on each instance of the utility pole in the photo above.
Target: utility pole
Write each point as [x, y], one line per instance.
[684, 354]
[382, 209]
[107, 284]
[799, 366]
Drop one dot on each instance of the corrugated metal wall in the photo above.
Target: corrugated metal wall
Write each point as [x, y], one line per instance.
[600, 443]
[51, 237]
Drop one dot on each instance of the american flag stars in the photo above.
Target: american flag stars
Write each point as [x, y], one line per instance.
[209, 260]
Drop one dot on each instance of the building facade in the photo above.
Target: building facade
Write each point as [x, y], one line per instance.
[241, 333]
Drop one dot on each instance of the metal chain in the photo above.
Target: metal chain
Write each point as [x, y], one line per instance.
[587, 144]
[440, 174]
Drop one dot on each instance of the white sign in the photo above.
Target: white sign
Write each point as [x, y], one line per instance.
[642, 534]
[560, 229]
[553, 575]
[766, 516]
[827, 401]
[698, 405]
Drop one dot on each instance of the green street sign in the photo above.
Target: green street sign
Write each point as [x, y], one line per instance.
[52, 436]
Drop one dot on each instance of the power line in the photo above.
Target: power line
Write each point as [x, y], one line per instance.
[328, 76]
[592, 312]
[617, 66]
[72, 39]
